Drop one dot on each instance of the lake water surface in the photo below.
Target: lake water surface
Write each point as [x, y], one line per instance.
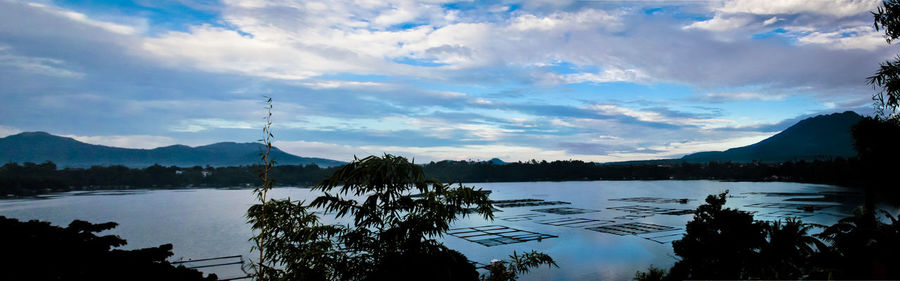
[603, 238]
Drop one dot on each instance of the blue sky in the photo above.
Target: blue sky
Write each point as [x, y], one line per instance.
[519, 80]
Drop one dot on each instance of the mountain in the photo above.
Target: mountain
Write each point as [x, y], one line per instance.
[66, 152]
[820, 137]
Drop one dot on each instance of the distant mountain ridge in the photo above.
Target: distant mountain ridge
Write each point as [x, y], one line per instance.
[67, 152]
[819, 137]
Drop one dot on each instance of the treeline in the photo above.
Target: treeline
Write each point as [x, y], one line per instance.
[838, 171]
[30, 178]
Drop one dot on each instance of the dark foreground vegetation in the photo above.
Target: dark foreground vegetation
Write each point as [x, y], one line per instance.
[728, 244]
[36, 250]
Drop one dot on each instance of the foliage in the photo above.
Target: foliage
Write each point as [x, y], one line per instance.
[298, 246]
[720, 243]
[863, 247]
[399, 215]
[723, 243]
[653, 274]
[509, 270]
[790, 251]
[256, 215]
[36, 250]
[887, 79]
[393, 214]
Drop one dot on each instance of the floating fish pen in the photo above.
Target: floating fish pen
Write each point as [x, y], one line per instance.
[494, 235]
[522, 217]
[631, 228]
[783, 194]
[633, 216]
[574, 222]
[657, 200]
[786, 214]
[804, 207]
[641, 209]
[565, 211]
[666, 238]
[525, 203]
[475, 210]
[236, 260]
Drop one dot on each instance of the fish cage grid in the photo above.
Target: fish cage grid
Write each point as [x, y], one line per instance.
[494, 235]
[522, 217]
[632, 216]
[631, 228]
[658, 200]
[809, 207]
[565, 211]
[574, 222]
[513, 203]
[641, 209]
[667, 238]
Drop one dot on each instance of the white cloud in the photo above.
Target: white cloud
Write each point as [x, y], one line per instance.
[37, 65]
[82, 18]
[674, 149]
[127, 141]
[6, 131]
[296, 42]
[859, 37]
[608, 75]
[836, 8]
[423, 154]
[510, 152]
[584, 19]
[335, 84]
[199, 125]
[653, 116]
[743, 96]
[721, 23]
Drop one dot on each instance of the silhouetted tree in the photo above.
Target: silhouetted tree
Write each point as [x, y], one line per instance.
[394, 212]
[391, 228]
[725, 243]
[789, 250]
[719, 243]
[887, 79]
[510, 269]
[863, 247]
[36, 250]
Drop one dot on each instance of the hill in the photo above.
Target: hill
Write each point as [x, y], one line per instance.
[67, 152]
[820, 137]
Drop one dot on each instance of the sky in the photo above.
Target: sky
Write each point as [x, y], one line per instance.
[432, 80]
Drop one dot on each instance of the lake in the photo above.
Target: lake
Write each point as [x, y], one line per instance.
[608, 230]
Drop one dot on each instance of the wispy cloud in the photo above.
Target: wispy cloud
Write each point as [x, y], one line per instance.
[435, 80]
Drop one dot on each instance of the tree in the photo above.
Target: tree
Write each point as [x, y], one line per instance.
[863, 247]
[887, 79]
[36, 250]
[725, 243]
[719, 243]
[788, 251]
[398, 217]
[509, 270]
[393, 215]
